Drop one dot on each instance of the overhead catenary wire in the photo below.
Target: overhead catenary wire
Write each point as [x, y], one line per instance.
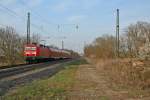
[13, 13]
[21, 17]
[44, 20]
[2, 6]
[37, 14]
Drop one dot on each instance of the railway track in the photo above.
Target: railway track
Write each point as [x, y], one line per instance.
[11, 66]
[6, 72]
[12, 77]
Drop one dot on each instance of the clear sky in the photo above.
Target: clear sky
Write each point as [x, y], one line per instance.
[94, 18]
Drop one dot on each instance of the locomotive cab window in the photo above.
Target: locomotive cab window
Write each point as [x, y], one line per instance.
[30, 48]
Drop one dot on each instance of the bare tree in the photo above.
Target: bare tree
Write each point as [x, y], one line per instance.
[10, 45]
[137, 36]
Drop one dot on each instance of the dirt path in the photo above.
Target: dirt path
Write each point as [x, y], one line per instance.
[93, 85]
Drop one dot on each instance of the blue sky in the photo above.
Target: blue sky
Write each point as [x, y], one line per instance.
[94, 18]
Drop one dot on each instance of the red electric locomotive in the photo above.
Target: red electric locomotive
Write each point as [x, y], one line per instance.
[36, 53]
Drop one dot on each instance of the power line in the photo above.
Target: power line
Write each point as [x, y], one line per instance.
[11, 11]
[44, 19]
[21, 17]
[37, 14]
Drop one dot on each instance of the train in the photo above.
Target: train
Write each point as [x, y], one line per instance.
[35, 53]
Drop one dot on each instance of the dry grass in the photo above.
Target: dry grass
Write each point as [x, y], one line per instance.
[127, 73]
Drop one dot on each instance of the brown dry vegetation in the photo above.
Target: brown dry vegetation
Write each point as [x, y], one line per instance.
[132, 69]
[126, 72]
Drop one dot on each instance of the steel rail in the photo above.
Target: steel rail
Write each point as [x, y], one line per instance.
[24, 68]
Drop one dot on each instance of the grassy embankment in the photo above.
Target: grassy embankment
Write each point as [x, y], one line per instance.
[51, 88]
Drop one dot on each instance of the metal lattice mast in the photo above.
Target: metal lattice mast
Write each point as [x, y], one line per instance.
[117, 33]
[28, 29]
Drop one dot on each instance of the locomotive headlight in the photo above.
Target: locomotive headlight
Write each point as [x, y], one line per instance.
[27, 52]
[34, 53]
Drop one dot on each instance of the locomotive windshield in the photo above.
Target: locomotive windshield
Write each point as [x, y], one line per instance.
[30, 48]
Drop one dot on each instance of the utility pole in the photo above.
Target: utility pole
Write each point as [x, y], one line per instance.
[28, 28]
[117, 34]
